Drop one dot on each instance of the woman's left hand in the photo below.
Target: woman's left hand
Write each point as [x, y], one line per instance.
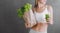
[48, 20]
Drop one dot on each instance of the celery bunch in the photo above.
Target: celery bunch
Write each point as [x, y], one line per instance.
[25, 8]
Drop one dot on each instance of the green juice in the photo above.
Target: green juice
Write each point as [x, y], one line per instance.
[47, 16]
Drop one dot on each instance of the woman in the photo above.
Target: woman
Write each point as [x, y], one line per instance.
[39, 10]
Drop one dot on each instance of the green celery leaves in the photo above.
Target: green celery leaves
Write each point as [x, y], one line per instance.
[25, 8]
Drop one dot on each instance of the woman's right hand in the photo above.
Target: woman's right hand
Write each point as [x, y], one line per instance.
[27, 25]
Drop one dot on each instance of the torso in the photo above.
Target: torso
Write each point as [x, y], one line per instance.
[40, 26]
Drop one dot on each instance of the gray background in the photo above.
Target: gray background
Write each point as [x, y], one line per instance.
[10, 23]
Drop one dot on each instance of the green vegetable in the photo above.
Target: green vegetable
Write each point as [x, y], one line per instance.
[47, 16]
[25, 8]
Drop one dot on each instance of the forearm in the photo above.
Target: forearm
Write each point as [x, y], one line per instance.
[51, 21]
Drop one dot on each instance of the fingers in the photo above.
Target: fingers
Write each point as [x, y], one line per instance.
[47, 20]
[26, 25]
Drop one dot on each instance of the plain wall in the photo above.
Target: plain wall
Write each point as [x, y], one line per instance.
[10, 23]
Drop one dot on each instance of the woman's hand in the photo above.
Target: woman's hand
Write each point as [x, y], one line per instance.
[29, 25]
[48, 20]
